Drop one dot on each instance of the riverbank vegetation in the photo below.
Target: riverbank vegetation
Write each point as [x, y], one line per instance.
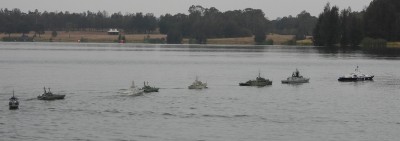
[333, 27]
[373, 27]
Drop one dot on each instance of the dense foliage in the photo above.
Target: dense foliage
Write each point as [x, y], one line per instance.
[379, 22]
[301, 26]
[15, 21]
[203, 23]
[199, 25]
[327, 29]
[382, 20]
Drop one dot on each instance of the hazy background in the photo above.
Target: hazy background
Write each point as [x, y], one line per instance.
[272, 8]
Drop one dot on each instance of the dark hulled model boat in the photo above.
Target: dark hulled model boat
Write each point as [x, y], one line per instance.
[356, 76]
[14, 103]
[50, 96]
[148, 89]
[260, 82]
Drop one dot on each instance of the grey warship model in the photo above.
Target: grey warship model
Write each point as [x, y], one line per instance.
[259, 82]
[148, 89]
[296, 78]
[198, 85]
[48, 95]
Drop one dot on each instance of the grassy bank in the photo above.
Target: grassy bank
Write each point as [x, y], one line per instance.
[103, 37]
[393, 44]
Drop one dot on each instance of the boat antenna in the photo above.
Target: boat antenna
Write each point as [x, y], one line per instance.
[44, 88]
[259, 73]
[13, 92]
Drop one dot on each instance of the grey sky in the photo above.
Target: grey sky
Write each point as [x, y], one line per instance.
[272, 8]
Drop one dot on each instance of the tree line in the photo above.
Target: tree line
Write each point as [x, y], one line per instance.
[379, 22]
[199, 25]
[15, 21]
[203, 23]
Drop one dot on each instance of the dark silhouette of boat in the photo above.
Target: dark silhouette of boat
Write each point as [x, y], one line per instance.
[48, 95]
[356, 76]
[14, 103]
[148, 89]
[260, 82]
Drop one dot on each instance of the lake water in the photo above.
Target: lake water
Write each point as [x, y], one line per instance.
[91, 76]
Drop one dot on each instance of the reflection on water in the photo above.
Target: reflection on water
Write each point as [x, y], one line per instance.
[91, 75]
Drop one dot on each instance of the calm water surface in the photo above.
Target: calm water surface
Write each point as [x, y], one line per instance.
[91, 75]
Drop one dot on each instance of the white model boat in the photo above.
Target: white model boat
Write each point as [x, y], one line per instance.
[296, 78]
[198, 85]
[133, 90]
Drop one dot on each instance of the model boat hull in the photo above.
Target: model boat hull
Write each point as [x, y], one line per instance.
[13, 105]
[150, 90]
[52, 97]
[197, 87]
[258, 84]
[295, 81]
[353, 79]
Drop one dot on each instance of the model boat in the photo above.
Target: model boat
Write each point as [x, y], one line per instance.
[296, 78]
[14, 103]
[48, 95]
[134, 90]
[198, 85]
[148, 89]
[260, 82]
[356, 76]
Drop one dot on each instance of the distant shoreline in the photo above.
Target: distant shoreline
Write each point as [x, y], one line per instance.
[103, 37]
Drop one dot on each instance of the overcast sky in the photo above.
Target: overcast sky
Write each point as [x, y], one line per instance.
[271, 8]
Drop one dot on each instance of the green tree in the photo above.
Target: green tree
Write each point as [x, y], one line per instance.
[382, 20]
[174, 37]
[345, 27]
[39, 29]
[356, 28]
[260, 37]
[327, 30]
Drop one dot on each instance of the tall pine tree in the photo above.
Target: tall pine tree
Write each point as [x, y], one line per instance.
[327, 30]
